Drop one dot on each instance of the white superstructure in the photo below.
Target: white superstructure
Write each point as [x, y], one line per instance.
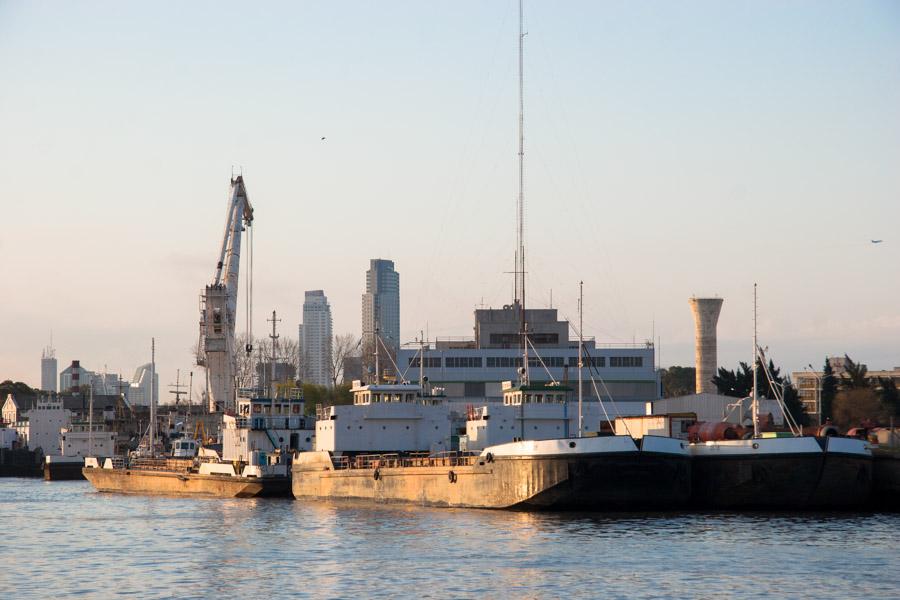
[538, 411]
[385, 418]
[266, 425]
[42, 424]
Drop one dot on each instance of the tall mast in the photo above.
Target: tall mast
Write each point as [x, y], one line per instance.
[755, 401]
[274, 320]
[520, 212]
[152, 400]
[580, 355]
[91, 423]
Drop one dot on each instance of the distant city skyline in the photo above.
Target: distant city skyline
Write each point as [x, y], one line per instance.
[671, 150]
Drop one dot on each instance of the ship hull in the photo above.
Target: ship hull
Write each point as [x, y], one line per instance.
[136, 481]
[779, 474]
[886, 480]
[623, 477]
[67, 470]
[20, 462]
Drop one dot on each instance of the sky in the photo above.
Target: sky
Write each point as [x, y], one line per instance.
[672, 149]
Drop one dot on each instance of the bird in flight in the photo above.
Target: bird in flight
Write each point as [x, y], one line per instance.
[877, 241]
[323, 137]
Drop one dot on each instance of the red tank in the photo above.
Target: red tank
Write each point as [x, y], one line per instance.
[711, 431]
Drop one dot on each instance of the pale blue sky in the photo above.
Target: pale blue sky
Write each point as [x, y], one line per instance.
[672, 149]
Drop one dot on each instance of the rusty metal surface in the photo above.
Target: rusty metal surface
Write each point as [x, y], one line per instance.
[132, 481]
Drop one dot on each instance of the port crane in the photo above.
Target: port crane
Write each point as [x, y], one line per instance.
[218, 304]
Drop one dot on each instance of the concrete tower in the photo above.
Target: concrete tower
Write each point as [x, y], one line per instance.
[706, 316]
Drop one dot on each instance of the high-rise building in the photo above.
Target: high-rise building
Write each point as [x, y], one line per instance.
[381, 306]
[48, 370]
[139, 391]
[315, 338]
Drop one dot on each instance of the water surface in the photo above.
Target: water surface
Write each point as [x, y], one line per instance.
[62, 538]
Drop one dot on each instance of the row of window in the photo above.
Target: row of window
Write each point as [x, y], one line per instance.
[509, 362]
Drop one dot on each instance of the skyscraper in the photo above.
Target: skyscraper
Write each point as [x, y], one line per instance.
[315, 338]
[48, 370]
[381, 306]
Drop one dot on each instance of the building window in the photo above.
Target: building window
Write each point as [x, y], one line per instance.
[463, 362]
[626, 361]
[431, 362]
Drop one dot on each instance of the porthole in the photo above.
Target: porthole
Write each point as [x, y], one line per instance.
[571, 444]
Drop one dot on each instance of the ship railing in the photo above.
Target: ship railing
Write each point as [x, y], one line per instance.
[413, 459]
[161, 464]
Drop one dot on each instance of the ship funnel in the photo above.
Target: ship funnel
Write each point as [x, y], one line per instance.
[706, 316]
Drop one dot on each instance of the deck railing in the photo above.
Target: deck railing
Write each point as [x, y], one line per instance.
[413, 459]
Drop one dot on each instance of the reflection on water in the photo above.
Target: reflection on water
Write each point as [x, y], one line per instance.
[62, 537]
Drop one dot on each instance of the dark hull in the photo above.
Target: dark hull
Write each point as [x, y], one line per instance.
[886, 481]
[63, 471]
[846, 482]
[20, 463]
[775, 482]
[633, 481]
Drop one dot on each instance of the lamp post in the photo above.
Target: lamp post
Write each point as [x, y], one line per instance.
[819, 380]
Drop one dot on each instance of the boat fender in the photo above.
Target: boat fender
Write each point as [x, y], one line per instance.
[489, 457]
[451, 476]
[377, 474]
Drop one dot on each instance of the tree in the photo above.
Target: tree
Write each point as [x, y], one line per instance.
[678, 381]
[345, 345]
[315, 395]
[829, 390]
[852, 406]
[889, 396]
[20, 391]
[737, 384]
[289, 352]
[855, 375]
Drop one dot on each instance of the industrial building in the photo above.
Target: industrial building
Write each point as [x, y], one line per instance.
[476, 367]
[809, 383]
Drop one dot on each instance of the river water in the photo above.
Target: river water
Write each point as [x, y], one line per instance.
[62, 538]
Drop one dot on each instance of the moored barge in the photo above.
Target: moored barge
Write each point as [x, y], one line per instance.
[595, 473]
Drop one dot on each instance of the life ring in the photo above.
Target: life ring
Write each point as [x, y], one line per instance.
[377, 474]
[489, 457]
[451, 476]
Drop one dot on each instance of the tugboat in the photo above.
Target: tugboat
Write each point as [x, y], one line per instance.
[196, 471]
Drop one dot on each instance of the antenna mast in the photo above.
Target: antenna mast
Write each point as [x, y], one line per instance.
[580, 355]
[520, 212]
[755, 401]
[274, 320]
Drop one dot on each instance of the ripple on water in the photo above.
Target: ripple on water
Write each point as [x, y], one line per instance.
[63, 538]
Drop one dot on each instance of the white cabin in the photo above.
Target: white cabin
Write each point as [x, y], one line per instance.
[43, 425]
[267, 425]
[386, 418]
[76, 440]
[539, 411]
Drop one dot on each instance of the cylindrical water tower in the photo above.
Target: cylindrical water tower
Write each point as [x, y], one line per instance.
[706, 316]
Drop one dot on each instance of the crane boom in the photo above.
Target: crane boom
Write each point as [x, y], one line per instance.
[218, 310]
